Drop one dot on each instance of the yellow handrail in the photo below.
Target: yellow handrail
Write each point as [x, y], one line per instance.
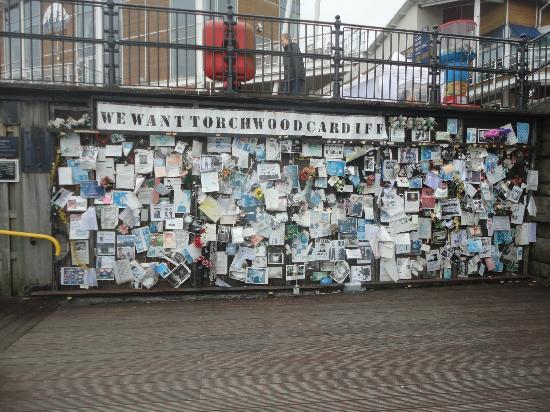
[53, 240]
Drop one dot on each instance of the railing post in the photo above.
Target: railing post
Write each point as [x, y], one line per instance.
[230, 47]
[434, 89]
[111, 43]
[337, 59]
[522, 73]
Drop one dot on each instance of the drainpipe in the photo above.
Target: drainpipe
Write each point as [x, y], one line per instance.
[477, 15]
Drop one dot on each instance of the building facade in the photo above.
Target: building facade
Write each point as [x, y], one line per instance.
[170, 22]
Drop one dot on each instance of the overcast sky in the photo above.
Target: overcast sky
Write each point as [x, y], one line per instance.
[367, 12]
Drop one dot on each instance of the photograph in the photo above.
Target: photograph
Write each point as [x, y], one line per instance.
[420, 135]
[355, 205]
[481, 136]
[105, 262]
[210, 163]
[408, 155]
[295, 272]
[77, 204]
[412, 201]
[473, 177]
[388, 170]
[322, 249]
[104, 274]
[334, 151]
[275, 272]
[337, 250]
[415, 182]
[72, 276]
[125, 252]
[224, 232]
[433, 261]
[471, 135]
[276, 258]
[259, 262]
[370, 164]
[256, 276]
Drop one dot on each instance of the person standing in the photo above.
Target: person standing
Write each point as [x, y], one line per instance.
[294, 71]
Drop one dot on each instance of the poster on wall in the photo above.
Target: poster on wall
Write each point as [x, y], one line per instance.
[9, 170]
[271, 208]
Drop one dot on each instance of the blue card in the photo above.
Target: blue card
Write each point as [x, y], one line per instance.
[336, 167]
[522, 132]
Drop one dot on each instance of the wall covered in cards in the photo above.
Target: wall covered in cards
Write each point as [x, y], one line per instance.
[439, 198]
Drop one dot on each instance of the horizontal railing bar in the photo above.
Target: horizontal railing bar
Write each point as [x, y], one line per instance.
[53, 37]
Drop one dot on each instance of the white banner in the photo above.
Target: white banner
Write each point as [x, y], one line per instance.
[150, 119]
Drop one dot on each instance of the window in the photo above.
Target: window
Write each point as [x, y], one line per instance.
[32, 48]
[220, 6]
[12, 67]
[183, 30]
[85, 70]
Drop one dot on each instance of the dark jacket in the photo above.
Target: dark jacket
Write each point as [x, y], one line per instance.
[293, 63]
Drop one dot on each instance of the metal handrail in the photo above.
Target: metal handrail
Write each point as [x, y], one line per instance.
[347, 47]
[49, 238]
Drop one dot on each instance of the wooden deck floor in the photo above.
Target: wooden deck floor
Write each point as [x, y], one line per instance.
[466, 348]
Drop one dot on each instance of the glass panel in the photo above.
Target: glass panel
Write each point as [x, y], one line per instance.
[183, 29]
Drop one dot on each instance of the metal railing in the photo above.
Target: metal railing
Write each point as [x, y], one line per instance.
[83, 42]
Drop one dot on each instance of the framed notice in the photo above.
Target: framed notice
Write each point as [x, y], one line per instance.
[9, 147]
[9, 170]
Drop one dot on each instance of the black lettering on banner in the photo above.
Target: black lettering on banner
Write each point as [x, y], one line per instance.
[272, 124]
[137, 118]
[151, 122]
[220, 122]
[195, 119]
[258, 123]
[323, 127]
[178, 120]
[346, 128]
[379, 128]
[208, 122]
[357, 128]
[310, 126]
[368, 127]
[333, 127]
[165, 120]
[121, 118]
[233, 123]
[107, 117]
[285, 124]
[297, 125]
[245, 123]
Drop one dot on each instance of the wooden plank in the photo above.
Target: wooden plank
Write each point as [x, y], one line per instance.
[539, 250]
[543, 230]
[539, 269]
[5, 243]
[35, 266]
[266, 289]
[290, 354]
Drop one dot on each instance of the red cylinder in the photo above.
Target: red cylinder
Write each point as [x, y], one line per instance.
[215, 63]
